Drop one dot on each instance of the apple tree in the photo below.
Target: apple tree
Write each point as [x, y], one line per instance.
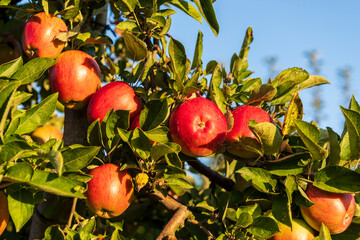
[140, 120]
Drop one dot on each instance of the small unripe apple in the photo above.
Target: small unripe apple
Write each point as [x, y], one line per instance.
[44, 133]
[240, 135]
[198, 126]
[39, 34]
[10, 49]
[4, 212]
[76, 77]
[300, 231]
[114, 95]
[335, 210]
[110, 191]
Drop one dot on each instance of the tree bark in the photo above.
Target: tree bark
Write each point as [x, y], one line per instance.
[75, 132]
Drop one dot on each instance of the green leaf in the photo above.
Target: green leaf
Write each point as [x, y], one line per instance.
[263, 93]
[129, 26]
[215, 93]
[324, 233]
[54, 232]
[88, 228]
[7, 95]
[127, 5]
[269, 135]
[179, 182]
[117, 119]
[313, 81]
[5, 2]
[37, 115]
[334, 153]
[207, 11]
[296, 75]
[187, 8]
[294, 111]
[310, 135]
[13, 150]
[352, 119]
[94, 134]
[337, 179]
[78, 158]
[153, 114]
[159, 134]
[178, 61]
[21, 206]
[198, 51]
[57, 161]
[247, 41]
[159, 150]
[244, 220]
[33, 69]
[263, 227]
[281, 210]
[8, 69]
[46, 181]
[259, 178]
[135, 46]
[73, 11]
[140, 143]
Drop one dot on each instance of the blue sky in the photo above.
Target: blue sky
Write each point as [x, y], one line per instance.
[286, 30]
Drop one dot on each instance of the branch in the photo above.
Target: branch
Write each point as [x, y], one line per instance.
[212, 175]
[182, 213]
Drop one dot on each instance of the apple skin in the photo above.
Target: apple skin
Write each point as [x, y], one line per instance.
[114, 95]
[10, 49]
[198, 126]
[76, 77]
[39, 34]
[4, 212]
[44, 133]
[110, 191]
[240, 131]
[335, 210]
[135, 122]
[300, 231]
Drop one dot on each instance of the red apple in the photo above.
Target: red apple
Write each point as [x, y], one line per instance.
[135, 122]
[39, 34]
[44, 133]
[198, 126]
[76, 77]
[110, 191]
[335, 210]
[300, 231]
[241, 135]
[4, 212]
[114, 95]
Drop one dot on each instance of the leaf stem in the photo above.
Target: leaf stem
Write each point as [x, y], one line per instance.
[72, 212]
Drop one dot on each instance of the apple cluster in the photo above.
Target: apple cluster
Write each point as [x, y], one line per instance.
[196, 124]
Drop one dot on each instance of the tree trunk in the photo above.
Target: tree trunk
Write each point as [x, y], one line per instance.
[75, 132]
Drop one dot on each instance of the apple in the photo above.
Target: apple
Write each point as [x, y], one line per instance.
[114, 95]
[4, 212]
[198, 126]
[335, 210]
[39, 34]
[10, 49]
[240, 135]
[44, 133]
[110, 191]
[76, 77]
[135, 122]
[300, 231]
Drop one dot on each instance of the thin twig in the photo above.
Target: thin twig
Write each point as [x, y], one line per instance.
[212, 175]
[72, 212]
[204, 229]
